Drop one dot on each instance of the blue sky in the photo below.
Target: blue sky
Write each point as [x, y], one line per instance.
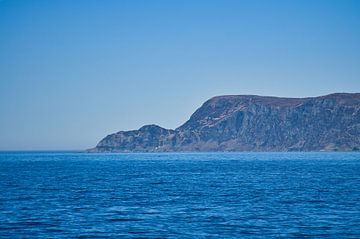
[72, 72]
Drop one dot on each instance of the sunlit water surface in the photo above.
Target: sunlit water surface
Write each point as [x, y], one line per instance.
[205, 195]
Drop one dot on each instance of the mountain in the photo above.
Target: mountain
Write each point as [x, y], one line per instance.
[253, 123]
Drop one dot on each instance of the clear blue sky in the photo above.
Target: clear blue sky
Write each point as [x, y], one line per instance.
[73, 71]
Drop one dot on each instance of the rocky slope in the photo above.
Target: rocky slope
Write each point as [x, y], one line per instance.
[253, 123]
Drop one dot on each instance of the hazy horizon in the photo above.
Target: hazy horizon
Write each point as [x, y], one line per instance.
[74, 71]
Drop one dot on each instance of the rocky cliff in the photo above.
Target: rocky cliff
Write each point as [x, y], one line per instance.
[253, 123]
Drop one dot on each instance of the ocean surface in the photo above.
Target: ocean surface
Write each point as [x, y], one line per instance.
[199, 195]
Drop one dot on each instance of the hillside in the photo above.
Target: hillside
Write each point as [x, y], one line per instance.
[253, 123]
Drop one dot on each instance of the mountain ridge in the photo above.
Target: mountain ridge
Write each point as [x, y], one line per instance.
[252, 123]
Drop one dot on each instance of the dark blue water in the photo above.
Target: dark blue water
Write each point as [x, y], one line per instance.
[230, 195]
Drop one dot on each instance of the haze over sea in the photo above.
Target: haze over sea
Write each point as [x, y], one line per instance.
[179, 195]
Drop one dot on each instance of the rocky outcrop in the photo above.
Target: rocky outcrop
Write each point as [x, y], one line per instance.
[253, 123]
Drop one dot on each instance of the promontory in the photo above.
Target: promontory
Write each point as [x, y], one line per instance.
[252, 123]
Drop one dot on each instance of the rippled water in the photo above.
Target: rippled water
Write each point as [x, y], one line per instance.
[215, 195]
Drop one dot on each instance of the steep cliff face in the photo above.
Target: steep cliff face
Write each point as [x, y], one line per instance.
[253, 123]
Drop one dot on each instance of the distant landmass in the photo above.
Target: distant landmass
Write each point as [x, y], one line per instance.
[252, 123]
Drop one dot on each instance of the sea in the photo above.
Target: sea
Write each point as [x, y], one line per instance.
[179, 195]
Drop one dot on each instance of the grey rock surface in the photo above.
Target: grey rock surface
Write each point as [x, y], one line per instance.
[253, 123]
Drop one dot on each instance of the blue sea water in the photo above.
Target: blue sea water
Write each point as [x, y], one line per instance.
[201, 195]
